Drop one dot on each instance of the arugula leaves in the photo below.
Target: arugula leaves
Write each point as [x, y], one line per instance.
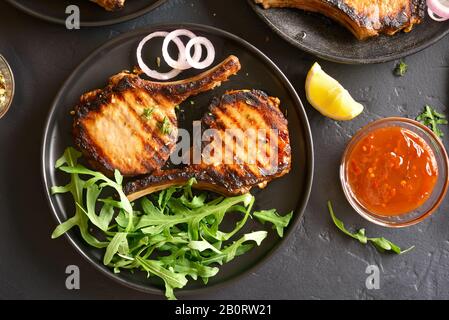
[174, 234]
[119, 240]
[279, 222]
[381, 244]
[431, 118]
[75, 187]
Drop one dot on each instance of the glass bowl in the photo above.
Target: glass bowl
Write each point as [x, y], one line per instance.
[438, 193]
[5, 69]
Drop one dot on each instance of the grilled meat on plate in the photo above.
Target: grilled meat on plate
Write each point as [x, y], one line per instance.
[110, 5]
[234, 159]
[364, 18]
[131, 124]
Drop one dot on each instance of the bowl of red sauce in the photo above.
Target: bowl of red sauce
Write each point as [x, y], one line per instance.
[394, 172]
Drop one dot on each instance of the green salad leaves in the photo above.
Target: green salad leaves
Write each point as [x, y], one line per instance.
[381, 244]
[174, 234]
[279, 222]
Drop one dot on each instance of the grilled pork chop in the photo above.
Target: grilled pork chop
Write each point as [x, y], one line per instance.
[131, 124]
[364, 18]
[110, 5]
[232, 161]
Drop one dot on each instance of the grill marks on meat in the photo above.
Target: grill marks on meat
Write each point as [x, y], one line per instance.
[243, 168]
[111, 5]
[364, 18]
[131, 124]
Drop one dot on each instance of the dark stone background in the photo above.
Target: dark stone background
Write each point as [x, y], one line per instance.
[317, 262]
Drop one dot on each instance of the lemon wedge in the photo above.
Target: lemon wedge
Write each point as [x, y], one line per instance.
[329, 97]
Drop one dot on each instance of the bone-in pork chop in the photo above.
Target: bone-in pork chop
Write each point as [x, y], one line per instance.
[131, 124]
[364, 18]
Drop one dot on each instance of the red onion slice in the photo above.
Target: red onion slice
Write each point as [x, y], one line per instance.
[194, 63]
[152, 73]
[185, 59]
[437, 10]
[435, 17]
[181, 63]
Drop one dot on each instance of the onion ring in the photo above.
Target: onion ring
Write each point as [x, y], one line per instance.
[210, 53]
[437, 10]
[181, 63]
[435, 17]
[185, 59]
[152, 73]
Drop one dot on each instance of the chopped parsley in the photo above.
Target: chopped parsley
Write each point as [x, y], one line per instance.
[165, 126]
[147, 112]
[401, 69]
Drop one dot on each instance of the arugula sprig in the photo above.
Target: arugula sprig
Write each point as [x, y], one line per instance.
[279, 222]
[381, 244]
[76, 188]
[174, 234]
[431, 118]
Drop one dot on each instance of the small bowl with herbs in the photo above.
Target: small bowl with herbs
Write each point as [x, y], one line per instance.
[6, 86]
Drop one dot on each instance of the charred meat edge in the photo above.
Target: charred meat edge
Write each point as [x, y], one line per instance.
[357, 23]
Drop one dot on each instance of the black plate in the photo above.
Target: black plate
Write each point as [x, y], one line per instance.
[328, 40]
[92, 15]
[288, 193]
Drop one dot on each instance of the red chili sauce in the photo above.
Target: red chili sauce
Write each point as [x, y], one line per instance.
[392, 171]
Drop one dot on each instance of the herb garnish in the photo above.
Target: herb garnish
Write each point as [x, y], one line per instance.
[69, 163]
[431, 118]
[147, 112]
[401, 69]
[279, 222]
[173, 234]
[381, 244]
[165, 126]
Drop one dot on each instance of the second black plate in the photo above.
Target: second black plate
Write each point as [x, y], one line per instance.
[324, 38]
[92, 15]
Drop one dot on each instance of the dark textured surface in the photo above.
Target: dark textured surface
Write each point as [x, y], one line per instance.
[321, 36]
[317, 261]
